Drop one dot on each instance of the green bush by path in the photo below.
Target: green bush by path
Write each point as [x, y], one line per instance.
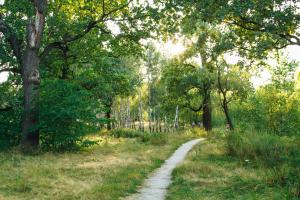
[68, 114]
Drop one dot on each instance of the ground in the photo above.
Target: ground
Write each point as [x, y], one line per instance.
[118, 166]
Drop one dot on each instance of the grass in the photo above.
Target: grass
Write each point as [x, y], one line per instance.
[209, 173]
[110, 170]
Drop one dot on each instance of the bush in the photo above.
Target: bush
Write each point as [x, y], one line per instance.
[154, 138]
[146, 137]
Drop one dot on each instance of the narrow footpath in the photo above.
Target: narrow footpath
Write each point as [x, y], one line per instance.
[155, 187]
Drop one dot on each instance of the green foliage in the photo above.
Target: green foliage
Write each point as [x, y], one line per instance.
[68, 113]
[270, 109]
[10, 116]
[257, 26]
[10, 128]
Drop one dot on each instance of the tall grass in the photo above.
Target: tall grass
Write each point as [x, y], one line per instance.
[279, 155]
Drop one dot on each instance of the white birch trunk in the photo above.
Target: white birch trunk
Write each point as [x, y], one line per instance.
[176, 124]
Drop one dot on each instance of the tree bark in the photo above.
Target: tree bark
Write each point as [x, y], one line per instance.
[31, 78]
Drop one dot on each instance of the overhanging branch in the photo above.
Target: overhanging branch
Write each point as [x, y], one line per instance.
[90, 26]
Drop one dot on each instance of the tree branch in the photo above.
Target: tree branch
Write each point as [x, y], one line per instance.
[14, 70]
[254, 26]
[6, 109]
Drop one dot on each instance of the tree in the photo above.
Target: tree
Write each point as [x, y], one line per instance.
[189, 86]
[28, 59]
[232, 83]
[66, 23]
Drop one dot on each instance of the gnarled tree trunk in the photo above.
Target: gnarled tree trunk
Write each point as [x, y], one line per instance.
[31, 78]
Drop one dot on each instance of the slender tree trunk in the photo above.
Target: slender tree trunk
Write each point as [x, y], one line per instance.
[227, 115]
[176, 123]
[127, 123]
[108, 117]
[159, 124]
[154, 121]
[149, 120]
[141, 124]
[166, 124]
[31, 78]
[206, 116]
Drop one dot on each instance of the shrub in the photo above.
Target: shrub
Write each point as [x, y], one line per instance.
[146, 137]
[154, 138]
[126, 133]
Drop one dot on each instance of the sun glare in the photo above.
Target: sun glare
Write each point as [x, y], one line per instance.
[172, 49]
[3, 76]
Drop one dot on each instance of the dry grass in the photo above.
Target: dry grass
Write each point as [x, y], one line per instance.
[109, 171]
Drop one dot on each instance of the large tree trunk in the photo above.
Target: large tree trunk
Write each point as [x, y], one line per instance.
[31, 85]
[206, 116]
[31, 78]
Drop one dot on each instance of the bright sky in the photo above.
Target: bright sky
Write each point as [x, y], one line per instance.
[171, 49]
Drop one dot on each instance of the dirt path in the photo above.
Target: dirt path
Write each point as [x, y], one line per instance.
[155, 187]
